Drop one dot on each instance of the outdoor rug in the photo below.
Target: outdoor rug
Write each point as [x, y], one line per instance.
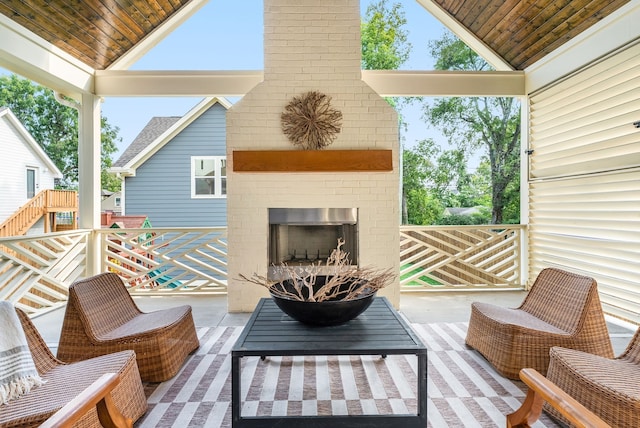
[463, 389]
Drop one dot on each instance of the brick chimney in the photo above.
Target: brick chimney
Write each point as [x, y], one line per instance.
[310, 45]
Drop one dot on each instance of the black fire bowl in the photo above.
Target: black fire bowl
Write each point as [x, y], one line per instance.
[326, 313]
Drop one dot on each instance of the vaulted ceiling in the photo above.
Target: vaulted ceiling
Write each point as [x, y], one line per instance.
[99, 32]
[524, 31]
[96, 32]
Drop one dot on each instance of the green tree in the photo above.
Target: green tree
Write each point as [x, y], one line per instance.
[55, 127]
[490, 123]
[384, 41]
[415, 197]
[385, 46]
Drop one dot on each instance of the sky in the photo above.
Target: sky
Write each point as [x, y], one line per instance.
[237, 26]
[227, 35]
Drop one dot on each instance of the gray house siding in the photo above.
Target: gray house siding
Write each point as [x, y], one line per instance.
[161, 188]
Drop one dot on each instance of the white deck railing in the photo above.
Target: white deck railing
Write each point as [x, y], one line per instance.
[167, 260]
[35, 271]
[461, 257]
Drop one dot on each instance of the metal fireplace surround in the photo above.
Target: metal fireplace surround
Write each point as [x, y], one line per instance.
[301, 236]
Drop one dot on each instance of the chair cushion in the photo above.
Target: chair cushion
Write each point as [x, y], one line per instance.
[515, 317]
[65, 382]
[150, 323]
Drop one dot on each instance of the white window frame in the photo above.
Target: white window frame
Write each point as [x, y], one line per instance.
[217, 177]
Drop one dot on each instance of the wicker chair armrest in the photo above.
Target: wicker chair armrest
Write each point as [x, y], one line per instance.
[98, 395]
[540, 390]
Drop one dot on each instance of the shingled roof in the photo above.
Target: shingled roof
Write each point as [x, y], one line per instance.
[154, 128]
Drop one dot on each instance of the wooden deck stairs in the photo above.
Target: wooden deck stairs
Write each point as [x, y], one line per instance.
[45, 204]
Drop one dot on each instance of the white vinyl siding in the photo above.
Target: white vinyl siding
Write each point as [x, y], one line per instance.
[584, 124]
[584, 179]
[16, 155]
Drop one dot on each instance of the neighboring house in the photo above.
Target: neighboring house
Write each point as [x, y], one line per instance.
[25, 169]
[111, 220]
[111, 201]
[174, 171]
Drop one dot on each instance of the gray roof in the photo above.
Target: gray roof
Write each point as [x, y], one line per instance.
[156, 126]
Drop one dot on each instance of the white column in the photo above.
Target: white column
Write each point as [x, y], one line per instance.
[524, 190]
[89, 176]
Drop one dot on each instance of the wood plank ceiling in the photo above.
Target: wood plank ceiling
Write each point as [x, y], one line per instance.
[524, 31]
[98, 32]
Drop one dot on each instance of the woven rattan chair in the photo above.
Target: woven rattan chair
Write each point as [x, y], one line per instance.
[101, 317]
[561, 309]
[609, 387]
[65, 381]
[543, 392]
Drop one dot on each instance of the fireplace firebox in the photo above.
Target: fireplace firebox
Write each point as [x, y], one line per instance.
[301, 236]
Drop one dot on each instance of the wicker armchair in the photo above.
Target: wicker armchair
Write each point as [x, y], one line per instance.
[561, 309]
[65, 381]
[101, 318]
[543, 392]
[610, 388]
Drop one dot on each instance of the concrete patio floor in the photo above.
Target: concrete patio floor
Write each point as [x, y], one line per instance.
[417, 307]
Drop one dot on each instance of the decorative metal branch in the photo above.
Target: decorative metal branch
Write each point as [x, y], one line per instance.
[344, 281]
[310, 122]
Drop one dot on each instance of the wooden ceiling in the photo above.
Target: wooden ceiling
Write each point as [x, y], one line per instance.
[98, 32]
[524, 31]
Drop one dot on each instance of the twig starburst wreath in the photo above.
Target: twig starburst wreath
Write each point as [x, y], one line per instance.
[310, 122]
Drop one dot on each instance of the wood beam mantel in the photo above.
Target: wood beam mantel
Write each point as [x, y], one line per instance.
[312, 160]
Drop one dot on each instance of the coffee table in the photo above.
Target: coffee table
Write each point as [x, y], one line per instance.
[380, 330]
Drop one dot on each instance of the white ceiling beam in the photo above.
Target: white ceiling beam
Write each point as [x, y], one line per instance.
[470, 39]
[30, 56]
[160, 83]
[388, 83]
[400, 83]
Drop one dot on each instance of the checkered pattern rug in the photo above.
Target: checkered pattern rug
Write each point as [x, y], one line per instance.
[463, 389]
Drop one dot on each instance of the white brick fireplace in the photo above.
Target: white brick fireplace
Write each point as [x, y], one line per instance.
[310, 46]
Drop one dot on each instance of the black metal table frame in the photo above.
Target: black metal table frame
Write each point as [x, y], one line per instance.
[350, 421]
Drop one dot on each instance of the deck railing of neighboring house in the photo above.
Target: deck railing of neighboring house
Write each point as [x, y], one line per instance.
[45, 202]
[35, 271]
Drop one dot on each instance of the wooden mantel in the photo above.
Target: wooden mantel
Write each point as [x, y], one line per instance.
[312, 160]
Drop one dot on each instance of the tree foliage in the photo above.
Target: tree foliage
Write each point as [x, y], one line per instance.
[488, 123]
[55, 127]
[434, 179]
[385, 44]
[384, 40]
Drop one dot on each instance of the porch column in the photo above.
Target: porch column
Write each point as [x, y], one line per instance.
[89, 147]
[524, 191]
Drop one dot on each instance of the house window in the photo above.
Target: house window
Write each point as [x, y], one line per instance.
[117, 202]
[31, 183]
[209, 177]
